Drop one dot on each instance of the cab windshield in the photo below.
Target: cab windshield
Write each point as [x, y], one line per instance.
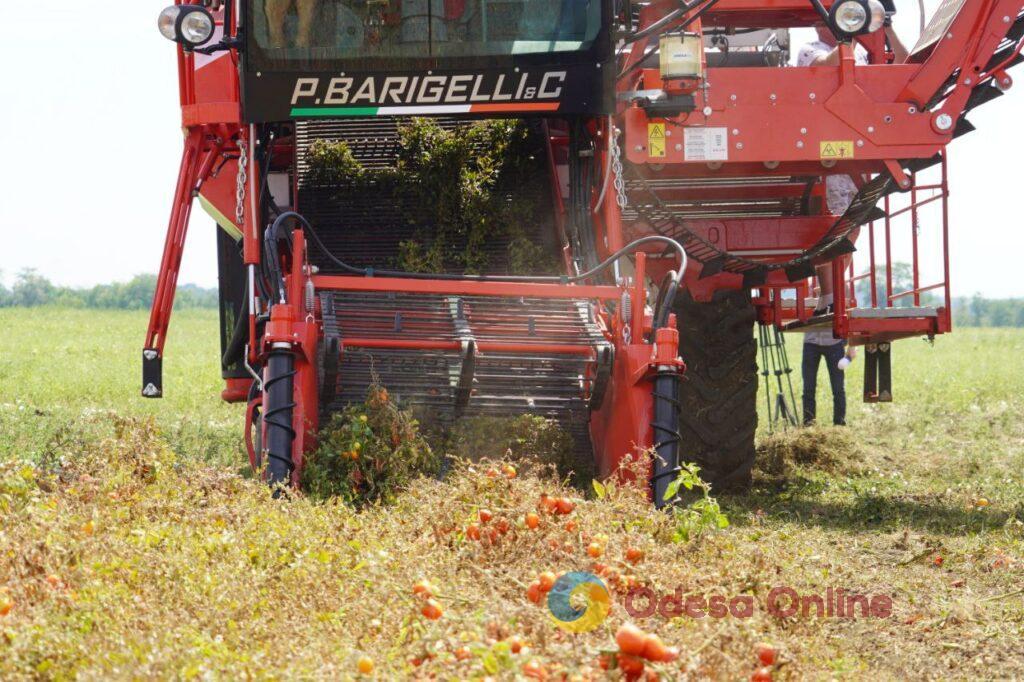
[303, 31]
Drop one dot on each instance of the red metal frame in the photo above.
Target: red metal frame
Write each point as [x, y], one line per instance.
[197, 159]
[871, 330]
[786, 302]
[465, 287]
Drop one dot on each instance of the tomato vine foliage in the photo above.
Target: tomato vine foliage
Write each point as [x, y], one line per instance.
[463, 189]
[368, 453]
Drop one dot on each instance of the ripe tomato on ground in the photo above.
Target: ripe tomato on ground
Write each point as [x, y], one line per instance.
[432, 610]
[630, 639]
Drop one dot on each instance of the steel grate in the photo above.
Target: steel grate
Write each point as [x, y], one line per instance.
[540, 382]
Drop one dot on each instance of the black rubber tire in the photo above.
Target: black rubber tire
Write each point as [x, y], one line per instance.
[718, 392]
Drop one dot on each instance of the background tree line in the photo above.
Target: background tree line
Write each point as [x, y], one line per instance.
[973, 311]
[30, 289]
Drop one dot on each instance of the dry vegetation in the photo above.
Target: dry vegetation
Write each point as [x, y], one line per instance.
[131, 546]
[782, 454]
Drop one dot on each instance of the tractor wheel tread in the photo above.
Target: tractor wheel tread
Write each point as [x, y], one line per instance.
[718, 393]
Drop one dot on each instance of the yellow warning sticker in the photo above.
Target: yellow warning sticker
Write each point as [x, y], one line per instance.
[656, 139]
[837, 149]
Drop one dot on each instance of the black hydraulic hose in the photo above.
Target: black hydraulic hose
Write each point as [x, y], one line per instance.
[580, 174]
[301, 219]
[666, 298]
[271, 257]
[632, 247]
[261, 283]
[271, 238]
[236, 346]
[268, 156]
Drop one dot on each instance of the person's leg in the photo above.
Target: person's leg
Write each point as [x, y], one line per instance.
[276, 11]
[837, 378]
[809, 367]
[309, 14]
[825, 284]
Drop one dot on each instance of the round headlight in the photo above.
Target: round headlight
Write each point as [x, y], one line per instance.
[195, 26]
[190, 25]
[167, 21]
[877, 10]
[850, 17]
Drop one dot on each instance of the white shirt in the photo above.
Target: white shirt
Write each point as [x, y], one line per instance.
[840, 190]
[822, 337]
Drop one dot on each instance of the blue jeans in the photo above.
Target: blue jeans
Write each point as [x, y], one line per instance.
[813, 353]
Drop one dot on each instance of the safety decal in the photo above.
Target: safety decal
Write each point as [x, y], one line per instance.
[837, 149]
[656, 139]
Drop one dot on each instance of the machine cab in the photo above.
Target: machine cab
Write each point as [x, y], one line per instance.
[337, 58]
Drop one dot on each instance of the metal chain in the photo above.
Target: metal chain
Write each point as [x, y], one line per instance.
[241, 180]
[619, 182]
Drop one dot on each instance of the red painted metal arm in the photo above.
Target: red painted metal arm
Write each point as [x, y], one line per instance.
[195, 165]
[167, 279]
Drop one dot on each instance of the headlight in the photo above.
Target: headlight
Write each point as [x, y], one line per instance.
[854, 17]
[190, 25]
[167, 20]
[850, 17]
[878, 14]
[196, 28]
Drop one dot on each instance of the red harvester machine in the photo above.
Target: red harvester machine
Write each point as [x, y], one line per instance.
[687, 165]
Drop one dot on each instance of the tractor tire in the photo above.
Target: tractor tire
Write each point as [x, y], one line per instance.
[718, 391]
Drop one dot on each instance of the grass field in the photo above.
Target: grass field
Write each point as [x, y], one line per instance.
[130, 546]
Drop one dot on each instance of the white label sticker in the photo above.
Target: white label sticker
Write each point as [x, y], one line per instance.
[706, 144]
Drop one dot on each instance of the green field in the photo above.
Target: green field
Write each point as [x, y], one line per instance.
[149, 556]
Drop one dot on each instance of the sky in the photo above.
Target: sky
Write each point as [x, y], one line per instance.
[90, 131]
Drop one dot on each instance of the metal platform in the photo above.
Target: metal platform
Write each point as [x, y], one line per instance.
[920, 321]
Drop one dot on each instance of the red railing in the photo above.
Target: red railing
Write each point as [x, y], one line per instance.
[884, 314]
[923, 249]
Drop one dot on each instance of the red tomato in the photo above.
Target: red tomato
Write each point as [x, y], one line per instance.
[534, 593]
[766, 654]
[432, 610]
[630, 639]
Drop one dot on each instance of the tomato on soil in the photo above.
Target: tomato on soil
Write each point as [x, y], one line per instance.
[432, 610]
[766, 654]
[630, 639]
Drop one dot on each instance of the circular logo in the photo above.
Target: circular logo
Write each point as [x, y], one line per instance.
[579, 602]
